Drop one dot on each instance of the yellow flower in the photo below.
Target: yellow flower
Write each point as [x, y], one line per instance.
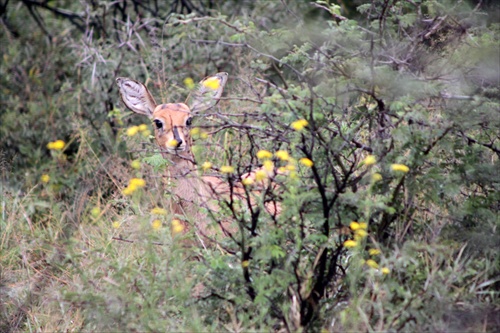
[350, 243]
[226, 169]
[45, 178]
[299, 124]
[307, 162]
[137, 182]
[194, 131]
[369, 160]
[156, 224]
[268, 165]
[245, 263]
[146, 133]
[385, 270]
[247, 181]
[400, 167]
[354, 225]
[158, 211]
[115, 224]
[374, 252]
[131, 131]
[372, 263]
[376, 177]
[363, 225]
[189, 83]
[260, 175]
[135, 164]
[129, 190]
[172, 143]
[212, 83]
[264, 154]
[142, 127]
[360, 234]
[206, 165]
[95, 211]
[282, 155]
[203, 135]
[56, 145]
[177, 226]
[290, 167]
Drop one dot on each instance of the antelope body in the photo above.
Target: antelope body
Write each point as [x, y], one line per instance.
[190, 191]
[171, 125]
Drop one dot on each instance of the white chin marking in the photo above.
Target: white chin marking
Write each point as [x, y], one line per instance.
[176, 150]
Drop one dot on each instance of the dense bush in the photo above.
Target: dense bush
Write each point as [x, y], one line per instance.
[381, 118]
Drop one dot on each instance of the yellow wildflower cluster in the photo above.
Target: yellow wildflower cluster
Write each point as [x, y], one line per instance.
[189, 83]
[358, 225]
[212, 83]
[264, 154]
[247, 181]
[400, 167]
[135, 164]
[376, 177]
[369, 160]
[268, 165]
[299, 124]
[227, 169]
[95, 212]
[177, 226]
[133, 185]
[282, 155]
[359, 229]
[260, 175]
[360, 232]
[350, 243]
[56, 145]
[306, 162]
[372, 263]
[142, 128]
[158, 211]
[196, 133]
[156, 224]
[115, 224]
[45, 178]
[206, 165]
[172, 143]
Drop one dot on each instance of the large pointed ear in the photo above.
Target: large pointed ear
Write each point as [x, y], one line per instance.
[136, 96]
[208, 93]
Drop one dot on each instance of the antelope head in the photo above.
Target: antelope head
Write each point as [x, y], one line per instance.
[172, 121]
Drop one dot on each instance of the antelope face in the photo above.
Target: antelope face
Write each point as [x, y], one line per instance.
[171, 123]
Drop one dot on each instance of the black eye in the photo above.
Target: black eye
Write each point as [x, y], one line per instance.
[158, 123]
[189, 121]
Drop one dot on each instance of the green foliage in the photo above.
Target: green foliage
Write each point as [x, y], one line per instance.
[388, 196]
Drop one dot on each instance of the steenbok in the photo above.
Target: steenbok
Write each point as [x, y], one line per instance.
[172, 122]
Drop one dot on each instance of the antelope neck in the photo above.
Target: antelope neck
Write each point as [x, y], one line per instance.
[181, 164]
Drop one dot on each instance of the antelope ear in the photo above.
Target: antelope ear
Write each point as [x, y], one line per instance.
[136, 96]
[208, 93]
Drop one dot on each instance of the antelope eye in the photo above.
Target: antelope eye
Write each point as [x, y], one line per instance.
[189, 121]
[158, 123]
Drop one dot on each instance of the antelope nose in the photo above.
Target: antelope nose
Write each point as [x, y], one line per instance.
[177, 137]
